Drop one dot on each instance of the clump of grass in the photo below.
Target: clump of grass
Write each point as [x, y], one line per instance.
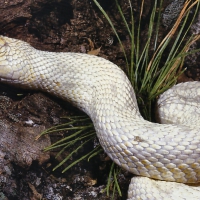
[151, 73]
[145, 72]
[80, 133]
[112, 181]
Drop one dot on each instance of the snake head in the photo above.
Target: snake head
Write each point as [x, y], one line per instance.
[9, 65]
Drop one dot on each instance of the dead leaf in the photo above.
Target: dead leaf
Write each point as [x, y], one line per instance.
[91, 44]
[36, 195]
[94, 52]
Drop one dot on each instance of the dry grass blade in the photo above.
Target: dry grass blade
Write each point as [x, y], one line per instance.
[180, 61]
[184, 10]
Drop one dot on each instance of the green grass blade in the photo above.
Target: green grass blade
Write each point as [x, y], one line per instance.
[113, 28]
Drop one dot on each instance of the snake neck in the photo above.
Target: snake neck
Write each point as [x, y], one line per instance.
[86, 81]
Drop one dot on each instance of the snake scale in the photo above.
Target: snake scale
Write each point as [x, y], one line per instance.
[168, 152]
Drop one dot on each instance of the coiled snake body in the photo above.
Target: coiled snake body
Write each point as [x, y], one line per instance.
[102, 90]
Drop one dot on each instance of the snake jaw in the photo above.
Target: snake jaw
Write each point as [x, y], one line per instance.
[6, 70]
[12, 69]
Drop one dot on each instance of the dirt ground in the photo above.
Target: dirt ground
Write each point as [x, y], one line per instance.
[67, 26]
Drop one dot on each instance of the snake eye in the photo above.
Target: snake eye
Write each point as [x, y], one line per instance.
[2, 45]
[2, 49]
[5, 68]
[2, 41]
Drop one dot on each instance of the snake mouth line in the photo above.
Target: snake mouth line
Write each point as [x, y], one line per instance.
[10, 81]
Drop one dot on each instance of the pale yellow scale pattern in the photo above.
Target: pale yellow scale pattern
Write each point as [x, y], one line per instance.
[101, 89]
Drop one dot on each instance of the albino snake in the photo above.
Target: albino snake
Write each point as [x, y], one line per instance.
[102, 90]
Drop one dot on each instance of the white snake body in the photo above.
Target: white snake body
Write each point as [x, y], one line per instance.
[102, 90]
